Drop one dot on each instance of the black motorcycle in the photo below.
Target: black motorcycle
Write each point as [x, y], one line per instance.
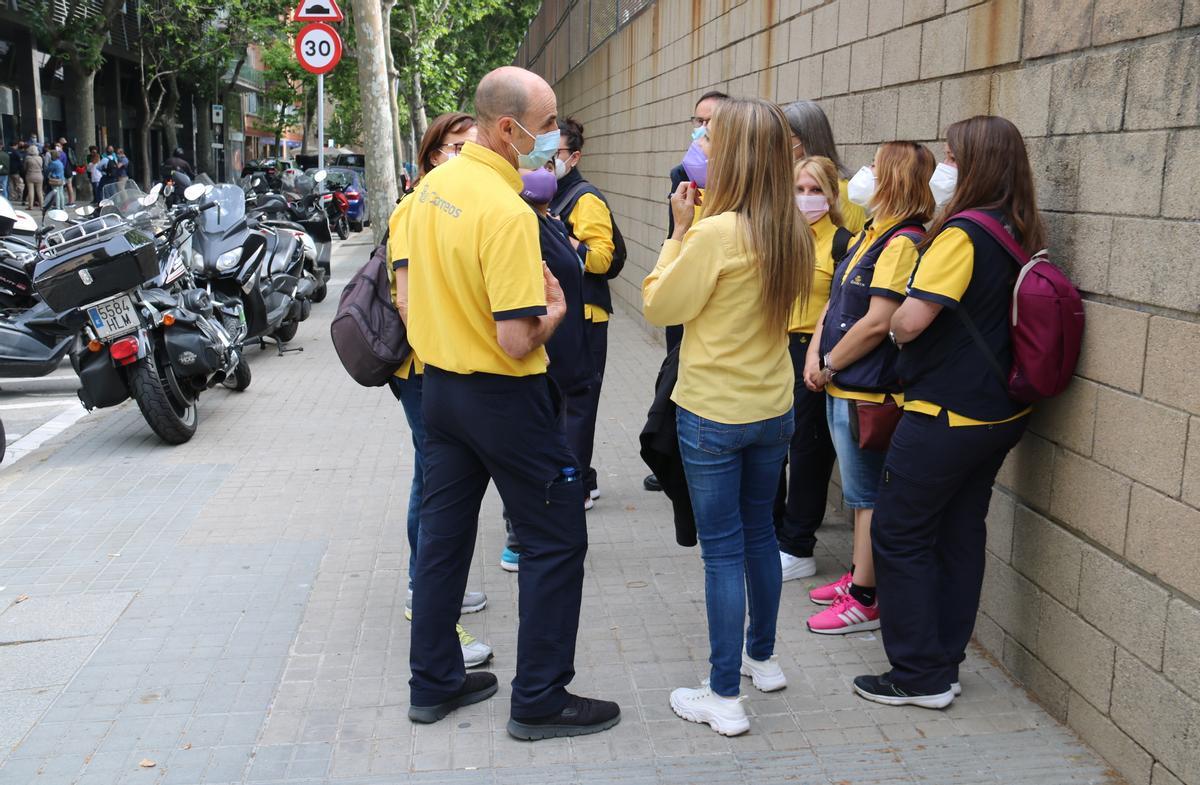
[241, 257]
[16, 257]
[148, 333]
[297, 205]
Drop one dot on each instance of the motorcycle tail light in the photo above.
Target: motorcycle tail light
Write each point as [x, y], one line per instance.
[125, 350]
[351, 193]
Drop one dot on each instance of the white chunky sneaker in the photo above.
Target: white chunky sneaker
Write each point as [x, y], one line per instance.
[795, 567]
[766, 674]
[474, 651]
[727, 716]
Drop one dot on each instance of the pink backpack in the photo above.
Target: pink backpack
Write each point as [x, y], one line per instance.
[1046, 324]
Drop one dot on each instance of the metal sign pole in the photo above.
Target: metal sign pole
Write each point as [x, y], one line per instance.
[320, 121]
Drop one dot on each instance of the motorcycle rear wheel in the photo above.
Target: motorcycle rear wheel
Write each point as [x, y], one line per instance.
[171, 419]
[343, 228]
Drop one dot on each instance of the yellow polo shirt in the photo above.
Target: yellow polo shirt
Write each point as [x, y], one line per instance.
[893, 268]
[479, 261]
[805, 320]
[591, 223]
[732, 369]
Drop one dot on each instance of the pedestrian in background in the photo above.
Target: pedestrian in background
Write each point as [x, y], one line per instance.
[959, 422]
[804, 485]
[853, 361]
[34, 177]
[96, 174]
[56, 181]
[443, 140]
[16, 172]
[4, 159]
[122, 162]
[732, 280]
[584, 210]
[71, 165]
[481, 306]
[812, 136]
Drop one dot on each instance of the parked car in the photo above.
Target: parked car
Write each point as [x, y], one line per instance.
[353, 185]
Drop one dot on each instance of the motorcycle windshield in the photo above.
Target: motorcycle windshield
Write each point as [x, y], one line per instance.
[131, 203]
[299, 186]
[230, 209]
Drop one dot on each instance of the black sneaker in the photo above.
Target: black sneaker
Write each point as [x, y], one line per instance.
[579, 717]
[881, 690]
[651, 483]
[478, 686]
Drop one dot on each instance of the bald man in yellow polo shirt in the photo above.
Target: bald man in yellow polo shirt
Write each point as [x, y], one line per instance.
[481, 305]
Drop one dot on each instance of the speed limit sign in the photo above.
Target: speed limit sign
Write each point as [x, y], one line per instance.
[318, 48]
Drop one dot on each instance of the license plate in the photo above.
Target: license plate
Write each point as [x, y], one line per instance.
[113, 317]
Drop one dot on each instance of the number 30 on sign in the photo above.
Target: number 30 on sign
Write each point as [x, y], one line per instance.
[318, 48]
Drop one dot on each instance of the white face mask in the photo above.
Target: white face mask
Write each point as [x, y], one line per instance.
[814, 206]
[945, 178]
[861, 187]
[560, 168]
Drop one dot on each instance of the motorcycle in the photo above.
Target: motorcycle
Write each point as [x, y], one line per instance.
[337, 208]
[148, 334]
[16, 254]
[241, 258]
[297, 208]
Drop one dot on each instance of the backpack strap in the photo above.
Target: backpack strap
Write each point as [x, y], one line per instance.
[841, 243]
[571, 196]
[998, 233]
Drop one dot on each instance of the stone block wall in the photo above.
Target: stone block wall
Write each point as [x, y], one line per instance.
[1092, 594]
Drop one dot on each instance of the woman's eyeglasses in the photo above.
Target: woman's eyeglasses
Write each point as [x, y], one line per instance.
[456, 147]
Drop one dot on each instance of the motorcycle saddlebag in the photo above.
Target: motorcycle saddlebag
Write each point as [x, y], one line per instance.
[89, 267]
[100, 383]
[190, 351]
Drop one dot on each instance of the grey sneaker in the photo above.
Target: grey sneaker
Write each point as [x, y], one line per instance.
[473, 602]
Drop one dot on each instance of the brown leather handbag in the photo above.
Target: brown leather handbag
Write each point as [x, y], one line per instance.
[873, 424]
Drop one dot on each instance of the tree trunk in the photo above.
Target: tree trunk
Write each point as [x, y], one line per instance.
[393, 83]
[144, 153]
[204, 137]
[82, 87]
[377, 133]
[170, 114]
[420, 119]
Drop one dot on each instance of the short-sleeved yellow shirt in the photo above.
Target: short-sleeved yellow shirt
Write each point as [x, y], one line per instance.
[805, 320]
[477, 260]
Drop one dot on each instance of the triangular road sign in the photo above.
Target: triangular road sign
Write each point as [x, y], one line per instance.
[318, 11]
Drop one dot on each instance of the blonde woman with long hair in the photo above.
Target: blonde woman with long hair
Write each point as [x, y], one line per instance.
[732, 280]
[800, 505]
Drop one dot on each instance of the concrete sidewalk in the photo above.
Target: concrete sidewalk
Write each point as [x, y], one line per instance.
[231, 610]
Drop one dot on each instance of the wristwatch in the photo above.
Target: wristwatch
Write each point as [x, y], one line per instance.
[828, 365]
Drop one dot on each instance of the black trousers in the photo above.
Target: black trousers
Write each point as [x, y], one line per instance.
[481, 427]
[582, 409]
[928, 535]
[804, 482]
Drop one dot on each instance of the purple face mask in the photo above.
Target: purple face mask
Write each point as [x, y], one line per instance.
[540, 186]
[695, 164]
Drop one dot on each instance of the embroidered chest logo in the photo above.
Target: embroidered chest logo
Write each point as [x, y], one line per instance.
[857, 280]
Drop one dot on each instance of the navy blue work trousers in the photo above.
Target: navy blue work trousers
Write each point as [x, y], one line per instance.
[804, 482]
[928, 535]
[507, 429]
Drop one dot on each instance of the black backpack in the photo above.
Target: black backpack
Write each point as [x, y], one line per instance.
[368, 335]
[566, 202]
[841, 243]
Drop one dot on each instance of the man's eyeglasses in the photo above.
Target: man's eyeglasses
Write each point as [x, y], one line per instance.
[457, 147]
[698, 122]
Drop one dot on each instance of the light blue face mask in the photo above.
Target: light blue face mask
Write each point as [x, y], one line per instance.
[545, 147]
[698, 132]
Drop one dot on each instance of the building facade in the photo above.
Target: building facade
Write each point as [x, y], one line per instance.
[1092, 594]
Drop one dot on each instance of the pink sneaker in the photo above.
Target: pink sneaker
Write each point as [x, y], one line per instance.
[846, 615]
[825, 595]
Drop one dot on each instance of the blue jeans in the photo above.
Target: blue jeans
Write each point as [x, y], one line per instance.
[4, 185]
[861, 469]
[409, 392]
[732, 475]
